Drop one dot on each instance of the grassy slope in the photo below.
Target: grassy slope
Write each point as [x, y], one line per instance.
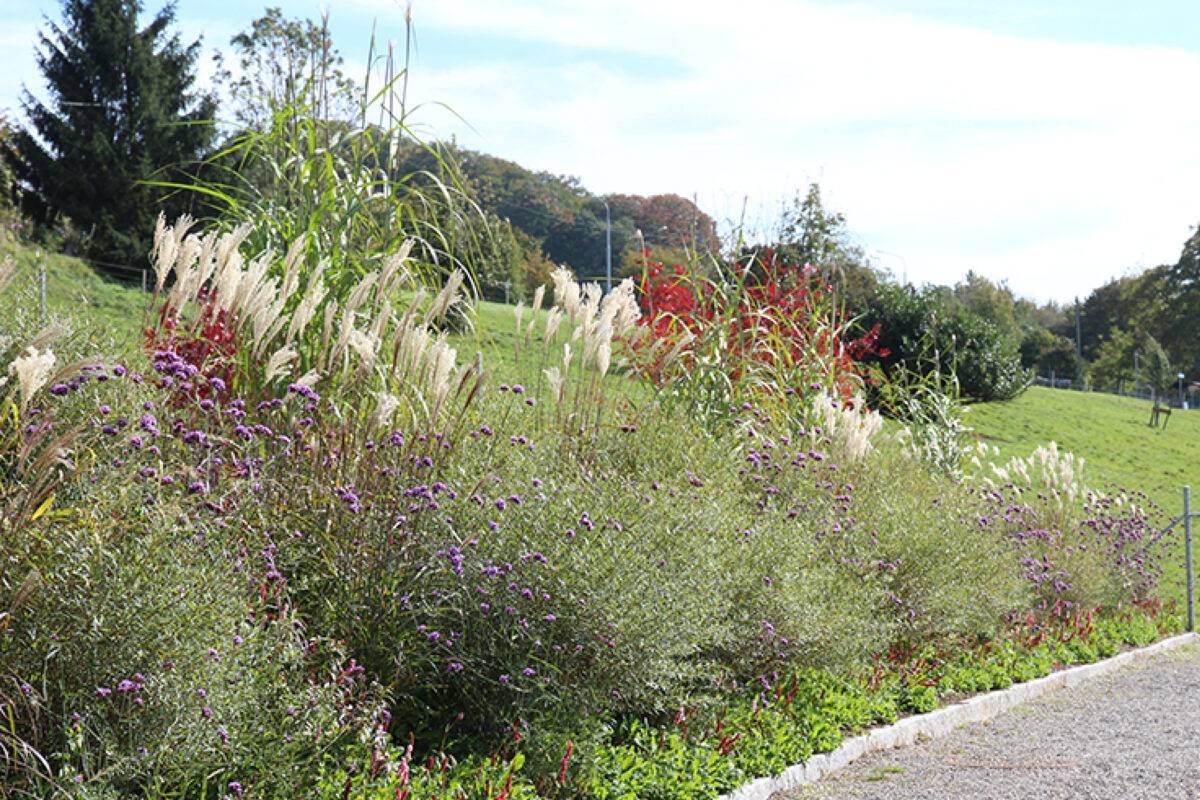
[99, 307]
[1110, 433]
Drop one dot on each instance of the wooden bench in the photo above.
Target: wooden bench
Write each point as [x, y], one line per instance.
[1164, 411]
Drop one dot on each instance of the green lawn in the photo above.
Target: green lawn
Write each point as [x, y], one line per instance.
[109, 312]
[1113, 437]
[1110, 433]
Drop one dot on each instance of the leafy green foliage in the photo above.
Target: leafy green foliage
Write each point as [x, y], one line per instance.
[921, 334]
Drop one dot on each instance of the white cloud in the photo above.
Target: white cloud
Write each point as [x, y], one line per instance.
[1054, 165]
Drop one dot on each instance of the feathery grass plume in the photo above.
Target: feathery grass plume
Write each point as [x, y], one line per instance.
[589, 305]
[394, 273]
[677, 350]
[33, 370]
[1046, 470]
[360, 292]
[365, 346]
[280, 362]
[48, 334]
[446, 298]
[566, 359]
[553, 321]
[266, 315]
[291, 267]
[167, 242]
[851, 427]
[603, 357]
[327, 330]
[555, 379]
[385, 408]
[308, 304]
[228, 277]
[538, 295]
[254, 288]
[308, 379]
[440, 359]
[383, 316]
[566, 292]
[628, 312]
[414, 342]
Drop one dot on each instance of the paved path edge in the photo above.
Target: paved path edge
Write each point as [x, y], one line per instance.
[943, 720]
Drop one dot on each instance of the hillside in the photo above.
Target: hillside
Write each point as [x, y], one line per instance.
[1109, 432]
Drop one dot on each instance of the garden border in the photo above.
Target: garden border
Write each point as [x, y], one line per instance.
[939, 722]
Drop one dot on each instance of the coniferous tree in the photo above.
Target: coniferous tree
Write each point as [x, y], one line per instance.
[121, 112]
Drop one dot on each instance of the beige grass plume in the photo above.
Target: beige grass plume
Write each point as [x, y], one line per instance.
[33, 370]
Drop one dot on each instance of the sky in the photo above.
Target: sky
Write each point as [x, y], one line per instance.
[1050, 144]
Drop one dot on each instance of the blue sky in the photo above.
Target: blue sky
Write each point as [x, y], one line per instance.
[1050, 144]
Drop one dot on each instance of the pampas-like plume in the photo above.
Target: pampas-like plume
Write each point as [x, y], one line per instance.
[590, 304]
[555, 379]
[538, 296]
[566, 292]
[365, 346]
[327, 330]
[441, 359]
[385, 407]
[394, 272]
[291, 267]
[308, 305]
[166, 246]
[446, 298]
[33, 370]
[280, 362]
[553, 320]
[360, 291]
[679, 347]
[309, 379]
[603, 357]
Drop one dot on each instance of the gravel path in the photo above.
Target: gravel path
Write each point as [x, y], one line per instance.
[1132, 734]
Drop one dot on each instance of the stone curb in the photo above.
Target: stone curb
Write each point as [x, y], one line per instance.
[937, 723]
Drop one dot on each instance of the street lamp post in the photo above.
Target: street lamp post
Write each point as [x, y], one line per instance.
[607, 246]
[1180, 389]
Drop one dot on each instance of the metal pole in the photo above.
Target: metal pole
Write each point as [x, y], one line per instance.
[1187, 545]
[607, 246]
[42, 282]
[1078, 348]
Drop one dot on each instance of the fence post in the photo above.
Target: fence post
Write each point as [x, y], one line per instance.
[1187, 544]
[42, 283]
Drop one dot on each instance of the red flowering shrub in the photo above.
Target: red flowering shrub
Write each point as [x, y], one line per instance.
[209, 343]
[764, 331]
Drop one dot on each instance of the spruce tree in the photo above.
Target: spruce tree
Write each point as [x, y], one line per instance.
[121, 112]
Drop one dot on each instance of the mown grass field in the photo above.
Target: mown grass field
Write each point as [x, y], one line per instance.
[1110, 433]
[1117, 444]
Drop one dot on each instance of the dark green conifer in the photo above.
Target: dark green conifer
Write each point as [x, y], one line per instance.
[121, 112]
